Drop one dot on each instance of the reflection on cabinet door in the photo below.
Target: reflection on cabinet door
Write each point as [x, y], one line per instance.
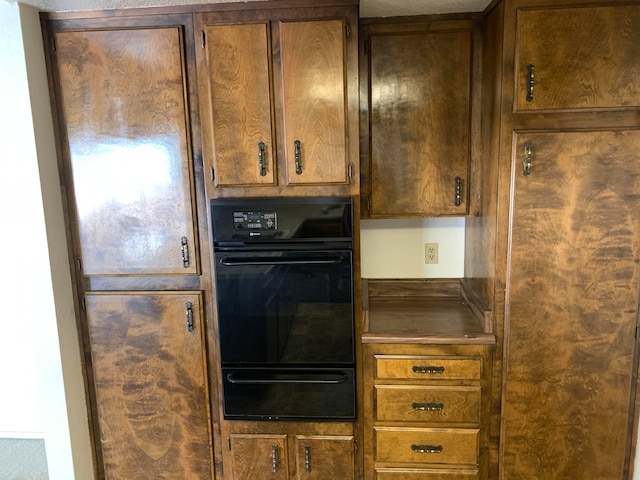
[420, 89]
[578, 58]
[149, 376]
[126, 140]
[572, 300]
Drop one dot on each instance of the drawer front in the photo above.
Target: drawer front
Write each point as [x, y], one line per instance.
[400, 403]
[427, 445]
[427, 368]
[425, 474]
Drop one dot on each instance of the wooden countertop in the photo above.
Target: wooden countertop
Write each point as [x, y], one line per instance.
[423, 311]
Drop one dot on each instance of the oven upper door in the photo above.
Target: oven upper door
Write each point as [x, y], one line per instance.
[285, 307]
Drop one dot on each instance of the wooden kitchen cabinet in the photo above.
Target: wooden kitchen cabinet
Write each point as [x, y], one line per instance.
[573, 296]
[149, 370]
[418, 134]
[126, 146]
[426, 411]
[275, 89]
[577, 57]
[296, 457]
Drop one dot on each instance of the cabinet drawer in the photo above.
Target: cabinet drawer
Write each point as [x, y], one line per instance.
[427, 368]
[425, 474]
[427, 445]
[400, 403]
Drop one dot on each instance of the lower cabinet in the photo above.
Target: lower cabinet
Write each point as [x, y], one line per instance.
[282, 456]
[149, 387]
[426, 411]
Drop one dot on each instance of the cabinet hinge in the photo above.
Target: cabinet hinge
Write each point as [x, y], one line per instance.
[229, 443]
[347, 30]
[79, 264]
[355, 445]
[83, 303]
[212, 174]
[637, 331]
[53, 45]
[204, 39]
[350, 170]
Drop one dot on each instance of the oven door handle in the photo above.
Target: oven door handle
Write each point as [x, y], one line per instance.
[244, 261]
[333, 380]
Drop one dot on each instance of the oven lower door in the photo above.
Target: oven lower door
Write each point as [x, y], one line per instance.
[289, 394]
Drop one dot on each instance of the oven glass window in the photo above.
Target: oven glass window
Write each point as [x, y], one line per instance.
[285, 307]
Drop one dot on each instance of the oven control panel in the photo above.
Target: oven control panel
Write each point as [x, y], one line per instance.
[253, 221]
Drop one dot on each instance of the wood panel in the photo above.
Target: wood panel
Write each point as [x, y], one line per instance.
[241, 109]
[324, 457]
[572, 306]
[150, 387]
[126, 137]
[420, 89]
[259, 456]
[583, 57]
[314, 100]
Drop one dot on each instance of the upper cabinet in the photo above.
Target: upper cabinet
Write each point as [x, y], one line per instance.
[581, 57]
[275, 88]
[418, 130]
[126, 147]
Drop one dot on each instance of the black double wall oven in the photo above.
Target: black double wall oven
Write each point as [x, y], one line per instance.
[284, 289]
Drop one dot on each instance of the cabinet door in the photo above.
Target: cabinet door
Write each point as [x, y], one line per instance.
[572, 303]
[324, 457]
[313, 55]
[151, 396]
[125, 134]
[238, 134]
[582, 57]
[420, 123]
[259, 456]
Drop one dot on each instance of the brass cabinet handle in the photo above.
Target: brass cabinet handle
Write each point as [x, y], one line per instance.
[430, 369]
[530, 82]
[262, 162]
[458, 192]
[431, 407]
[427, 448]
[297, 154]
[307, 458]
[185, 252]
[189, 309]
[275, 458]
[528, 157]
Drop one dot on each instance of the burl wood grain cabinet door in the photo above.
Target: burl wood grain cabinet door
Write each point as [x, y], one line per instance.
[259, 456]
[420, 89]
[320, 457]
[578, 58]
[126, 140]
[572, 300]
[238, 109]
[150, 385]
[314, 101]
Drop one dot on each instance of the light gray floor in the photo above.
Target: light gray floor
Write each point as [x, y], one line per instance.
[23, 459]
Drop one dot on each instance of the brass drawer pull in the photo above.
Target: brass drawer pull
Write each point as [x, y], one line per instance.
[430, 407]
[426, 448]
[427, 369]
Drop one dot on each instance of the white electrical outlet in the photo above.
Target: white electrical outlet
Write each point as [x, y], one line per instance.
[430, 253]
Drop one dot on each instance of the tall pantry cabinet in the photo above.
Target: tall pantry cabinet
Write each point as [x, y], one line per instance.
[561, 131]
[123, 117]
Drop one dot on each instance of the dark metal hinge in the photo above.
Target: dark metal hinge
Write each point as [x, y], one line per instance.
[229, 442]
[350, 170]
[54, 49]
[212, 173]
[347, 29]
[83, 303]
[79, 264]
[204, 39]
[637, 331]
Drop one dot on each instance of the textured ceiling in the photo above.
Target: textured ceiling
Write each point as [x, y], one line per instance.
[368, 8]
